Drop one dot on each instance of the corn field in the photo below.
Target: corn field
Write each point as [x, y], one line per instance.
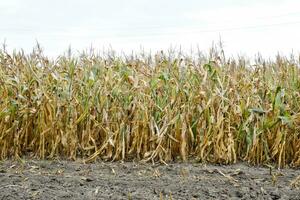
[163, 107]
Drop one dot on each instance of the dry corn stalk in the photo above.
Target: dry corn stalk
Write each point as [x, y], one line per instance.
[159, 108]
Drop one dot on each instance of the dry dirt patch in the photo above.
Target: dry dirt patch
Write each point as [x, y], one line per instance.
[34, 179]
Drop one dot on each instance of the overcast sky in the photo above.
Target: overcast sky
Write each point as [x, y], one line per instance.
[246, 27]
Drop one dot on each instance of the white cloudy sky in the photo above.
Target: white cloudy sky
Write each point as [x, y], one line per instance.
[246, 27]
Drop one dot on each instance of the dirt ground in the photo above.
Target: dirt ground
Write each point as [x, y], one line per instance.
[34, 179]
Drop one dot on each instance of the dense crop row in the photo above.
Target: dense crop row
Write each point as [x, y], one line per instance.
[144, 107]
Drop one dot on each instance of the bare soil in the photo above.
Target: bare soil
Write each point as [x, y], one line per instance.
[32, 179]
